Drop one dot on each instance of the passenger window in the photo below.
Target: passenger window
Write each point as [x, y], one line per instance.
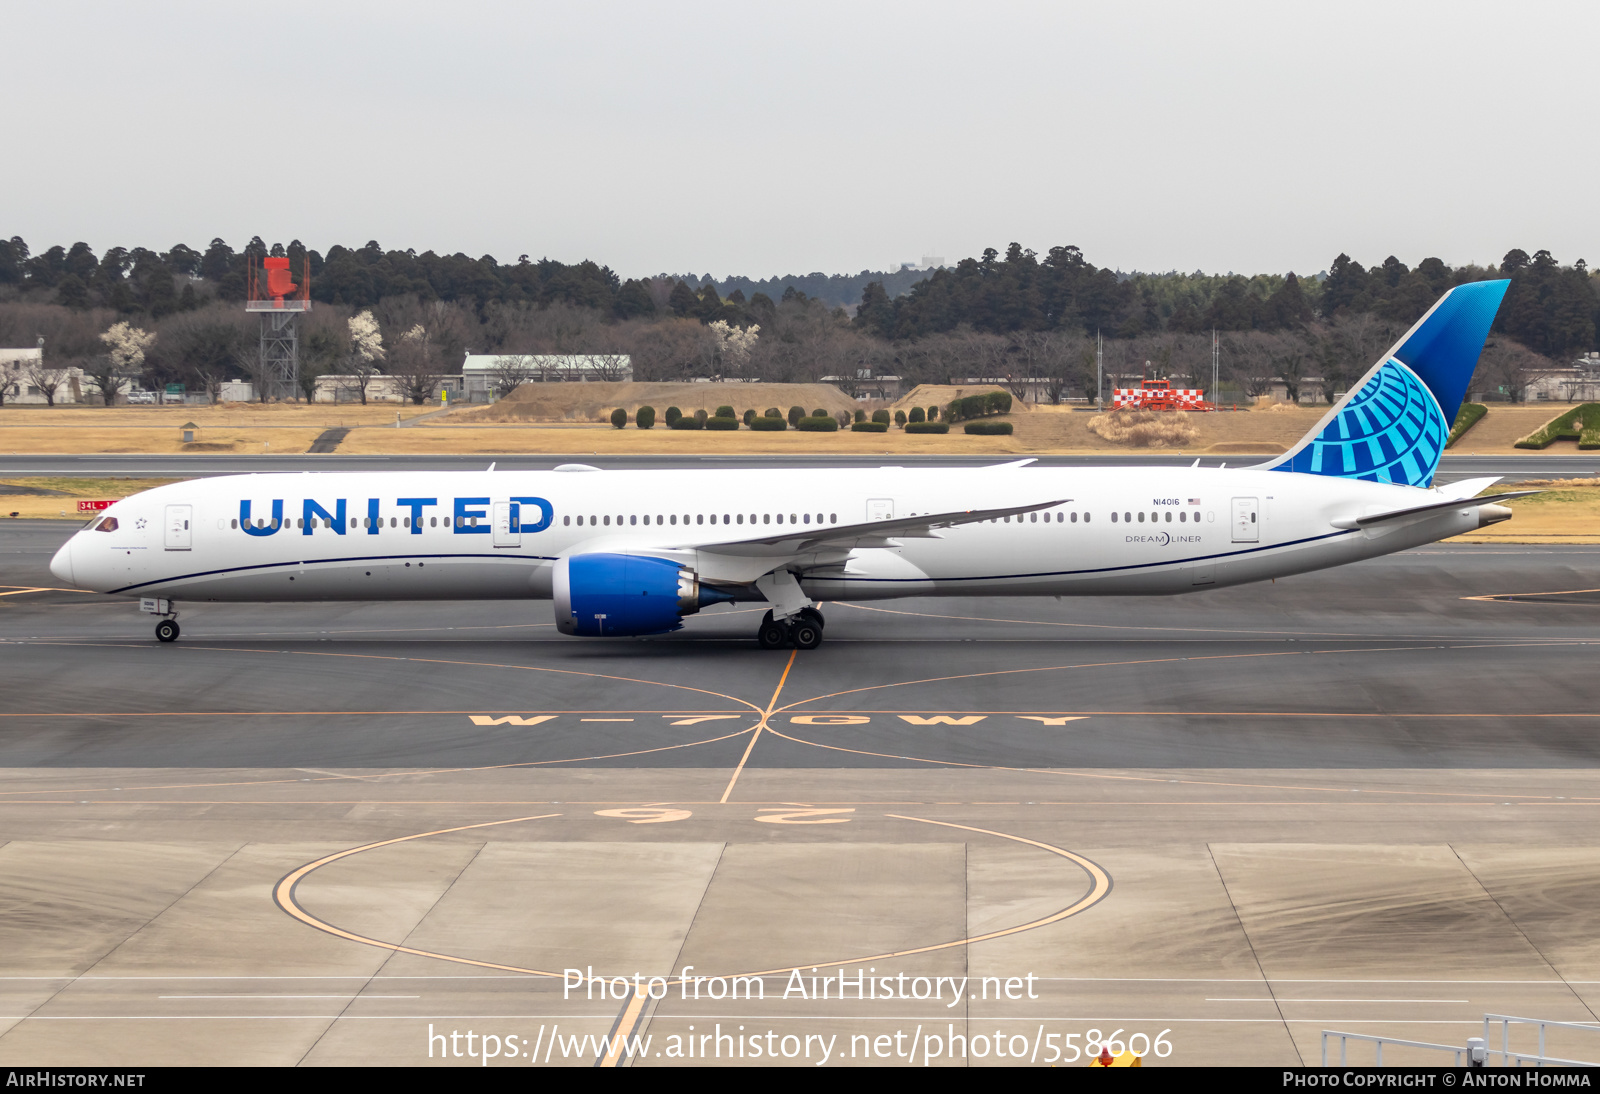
[1169, 516]
[674, 518]
[1033, 518]
[566, 522]
[447, 522]
[608, 520]
[394, 522]
[833, 518]
[1086, 517]
[724, 519]
[699, 518]
[1113, 518]
[741, 519]
[808, 518]
[633, 520]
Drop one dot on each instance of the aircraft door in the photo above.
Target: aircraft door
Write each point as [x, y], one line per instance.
[179, 536]
[1246, 520]
[505, 533]
[880, 508]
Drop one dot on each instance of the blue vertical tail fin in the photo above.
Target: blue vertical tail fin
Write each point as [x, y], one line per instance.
[1392, 425]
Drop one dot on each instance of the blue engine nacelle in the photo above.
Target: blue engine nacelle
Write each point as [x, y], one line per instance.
[604, 595]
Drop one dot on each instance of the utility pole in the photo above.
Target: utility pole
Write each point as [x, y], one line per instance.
[1215, 358]
[1099, 363]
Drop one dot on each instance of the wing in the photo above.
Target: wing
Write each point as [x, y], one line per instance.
[871, 533]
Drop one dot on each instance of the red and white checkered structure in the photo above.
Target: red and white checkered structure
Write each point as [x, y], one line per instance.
[1158, 398]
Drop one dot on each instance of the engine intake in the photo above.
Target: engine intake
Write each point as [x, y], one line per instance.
[607, 595]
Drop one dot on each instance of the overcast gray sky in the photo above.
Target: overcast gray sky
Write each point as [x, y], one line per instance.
[764, 139]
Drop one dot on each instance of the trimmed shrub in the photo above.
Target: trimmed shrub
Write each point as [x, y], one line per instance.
[927, 427]
[672, 415]
[917, 415]
[843, 418]
[881, 417]
[988, 429]
[749, 416]
[997, 402]
[772, 412]
[645, 418]
[686, 422]
[820, 413]
[1469, 416]
[724, 412]
[619, 418]
[1580, 423]
[721, 423]
[795, 414]
[860, 415]
[701, 416]
[817, 423]
[900, 418]
[869, 427]
[933, 413]
[768, 424]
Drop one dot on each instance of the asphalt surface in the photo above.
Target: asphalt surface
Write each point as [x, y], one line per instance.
[347, 834]
[1384, 663]
[1533, 465]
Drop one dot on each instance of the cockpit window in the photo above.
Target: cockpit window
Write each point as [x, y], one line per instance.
[107, 525]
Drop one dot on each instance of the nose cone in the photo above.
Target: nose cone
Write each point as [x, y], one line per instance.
[61, 565]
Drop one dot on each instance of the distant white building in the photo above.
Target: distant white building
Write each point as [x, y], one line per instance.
[21, 373]
[481, 371]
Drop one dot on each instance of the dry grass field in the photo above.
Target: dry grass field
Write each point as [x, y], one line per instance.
[570, 418]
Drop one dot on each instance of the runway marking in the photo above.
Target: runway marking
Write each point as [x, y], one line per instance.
[1064, 773]
[755, 736]
[646, 814]
[1178, 630]
[602, 719]
[1512, 598]
[1146, 661]
[513, 720]
[380, 775]
[785, 815]
[623, 1028]
[284, 895]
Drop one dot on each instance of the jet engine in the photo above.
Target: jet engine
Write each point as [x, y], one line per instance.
[606, 595]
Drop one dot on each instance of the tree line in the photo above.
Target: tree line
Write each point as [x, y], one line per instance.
[1027, 321]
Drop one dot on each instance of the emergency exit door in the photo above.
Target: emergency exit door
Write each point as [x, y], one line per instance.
[880, 509]
[1246, 520]
[178, 536]
[506, 532]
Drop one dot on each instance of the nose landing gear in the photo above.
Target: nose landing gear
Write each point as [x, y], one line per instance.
[167, 628]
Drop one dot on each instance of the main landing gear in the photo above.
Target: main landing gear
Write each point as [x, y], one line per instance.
[803, 631]
[167, 630]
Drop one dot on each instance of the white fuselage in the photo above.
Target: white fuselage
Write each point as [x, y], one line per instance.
[1115, 530]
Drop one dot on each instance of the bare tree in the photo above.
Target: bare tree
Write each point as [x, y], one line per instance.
[48, 380]
[510, 371]
[609, 366]
[415, 365]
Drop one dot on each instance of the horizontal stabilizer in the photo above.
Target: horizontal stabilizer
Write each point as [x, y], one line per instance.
[1417, 512]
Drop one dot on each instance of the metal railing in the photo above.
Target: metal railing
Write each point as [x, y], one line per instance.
[1505, 1053]
[1380, 1042]
[1476, 1048]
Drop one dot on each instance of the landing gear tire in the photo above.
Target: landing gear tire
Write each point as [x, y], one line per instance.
[811, 615]
[807, 635]
[167, 630]
[773, 635]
